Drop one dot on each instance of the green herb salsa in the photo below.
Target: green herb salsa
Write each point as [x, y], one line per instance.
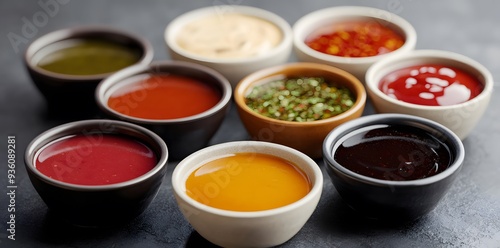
[300, 99]
[87, 57]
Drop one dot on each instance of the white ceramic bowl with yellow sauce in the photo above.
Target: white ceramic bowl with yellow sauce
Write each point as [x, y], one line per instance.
[357, 66]
[263, 228]
[234, 40]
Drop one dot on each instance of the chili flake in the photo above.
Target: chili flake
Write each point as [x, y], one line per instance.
[356, 39]
[300, 99]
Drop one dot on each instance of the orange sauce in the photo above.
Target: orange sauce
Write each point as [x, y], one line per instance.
[164, 97]
[248, 182]
[356, 39]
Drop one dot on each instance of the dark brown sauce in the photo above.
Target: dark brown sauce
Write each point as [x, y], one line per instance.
[394, 152]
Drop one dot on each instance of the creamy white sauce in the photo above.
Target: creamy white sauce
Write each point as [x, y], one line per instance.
[229, 36]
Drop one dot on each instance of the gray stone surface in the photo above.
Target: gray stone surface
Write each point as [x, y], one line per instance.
[469, 216]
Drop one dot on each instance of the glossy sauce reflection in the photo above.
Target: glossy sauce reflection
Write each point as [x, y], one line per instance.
[95, 159]
[163, 96]
[86, 57]
[248, 182]
[395, 152]
[432, 85]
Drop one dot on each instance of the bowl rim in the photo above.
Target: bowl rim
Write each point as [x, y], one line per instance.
[247, 83]
[83, 31]
[185, 18]
[416, 57]
[67, 129]
[309, 22]
[346, 128]
[156, 66]
[252, 146]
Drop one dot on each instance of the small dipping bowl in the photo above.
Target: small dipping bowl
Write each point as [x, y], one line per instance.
[323, 22]
[183, 133]
[238, 55]
[401, 192]
[461, 117]
[305, 136]
[96, 203]
[228, 228]
[66, 65]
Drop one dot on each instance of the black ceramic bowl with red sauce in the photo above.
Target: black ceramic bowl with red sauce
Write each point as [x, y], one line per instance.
[89, 173]
[392, 166]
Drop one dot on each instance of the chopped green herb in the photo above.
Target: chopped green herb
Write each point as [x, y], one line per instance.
[300, 99]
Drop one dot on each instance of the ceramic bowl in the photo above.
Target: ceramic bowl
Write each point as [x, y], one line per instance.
[264, 228]
[97, 205]
[234, 69]
[385, 199]
[317, 20]
[182, 135]
[460, 118]
[71, 94]
[306, 137]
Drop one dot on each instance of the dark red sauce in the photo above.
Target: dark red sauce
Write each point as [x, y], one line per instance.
[95, 159]
[395, 152]
[432, 85]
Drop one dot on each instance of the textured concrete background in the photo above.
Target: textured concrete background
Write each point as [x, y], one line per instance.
[469, 216]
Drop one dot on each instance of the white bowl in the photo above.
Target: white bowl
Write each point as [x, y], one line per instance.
[355, 65]
[233, 69]
[247, 229]
[460, 118]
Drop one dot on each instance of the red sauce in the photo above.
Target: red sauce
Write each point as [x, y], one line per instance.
[355, 39]
[164, 97]
[95, 159]
[395, 152]
[432, 85]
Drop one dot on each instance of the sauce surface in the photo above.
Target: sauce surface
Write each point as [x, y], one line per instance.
[95, 159]
[396, 153]
[300, 99]
[248, 182]
[164, 97]
[355, 39]
[87, 57]
[432, 85]
[229, 36]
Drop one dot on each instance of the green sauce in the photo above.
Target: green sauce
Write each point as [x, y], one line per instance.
[87, 57]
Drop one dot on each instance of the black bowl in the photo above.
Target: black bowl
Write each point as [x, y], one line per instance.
[98, 205]
[183, 135]
[67, 94]
[386, 199]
